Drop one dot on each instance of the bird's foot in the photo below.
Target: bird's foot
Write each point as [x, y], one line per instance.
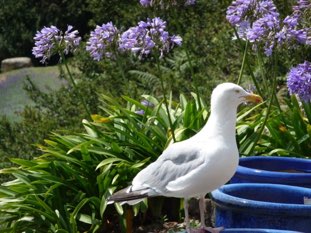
[205, 230]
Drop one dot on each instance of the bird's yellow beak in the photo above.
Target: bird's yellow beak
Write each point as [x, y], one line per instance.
[253, 98]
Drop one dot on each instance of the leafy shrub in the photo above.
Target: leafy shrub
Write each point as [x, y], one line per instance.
[285, 133]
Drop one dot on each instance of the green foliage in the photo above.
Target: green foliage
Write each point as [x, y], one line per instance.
[123, 13]
[286, 133]
[289, 133]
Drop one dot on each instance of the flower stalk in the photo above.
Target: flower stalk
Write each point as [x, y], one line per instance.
[243, 63]
[75, 86]
[172, 130]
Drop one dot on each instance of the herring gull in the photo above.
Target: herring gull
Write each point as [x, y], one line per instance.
[198, 165]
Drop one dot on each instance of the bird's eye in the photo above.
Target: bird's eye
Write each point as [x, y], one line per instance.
[237, 91]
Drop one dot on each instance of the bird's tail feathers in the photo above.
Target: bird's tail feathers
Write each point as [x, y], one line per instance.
[127, 195]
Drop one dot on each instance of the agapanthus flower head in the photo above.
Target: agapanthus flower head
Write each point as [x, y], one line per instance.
[145, 2]
[103, 41]
[257, 21]
[71, 39]
[147, 36]
[50, 41]
[299, 81]
[291, 31]
[250, 10]
[140, 112]
[291, 21]
[190, 2]
[137, 40]
[302, 5]
[263, 31]
[266, 7]
[147, 103]
[167, 3]
[239, 10]
[261, 28]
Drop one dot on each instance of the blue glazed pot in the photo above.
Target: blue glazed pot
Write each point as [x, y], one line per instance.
[257, 230]
[250, 230]
[268, 206]
[272, 169]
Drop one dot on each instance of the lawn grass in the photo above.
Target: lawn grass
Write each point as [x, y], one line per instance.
[13, 98]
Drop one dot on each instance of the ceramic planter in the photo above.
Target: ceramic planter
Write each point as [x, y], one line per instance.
[272, 169]
[267, 206]
[257, 230]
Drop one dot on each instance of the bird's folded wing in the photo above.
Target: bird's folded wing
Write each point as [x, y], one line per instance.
[179, 160]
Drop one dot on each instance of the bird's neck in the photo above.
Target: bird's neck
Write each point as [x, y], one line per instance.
[221, 123]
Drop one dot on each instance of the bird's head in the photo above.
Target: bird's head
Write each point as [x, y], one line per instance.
[231, 94]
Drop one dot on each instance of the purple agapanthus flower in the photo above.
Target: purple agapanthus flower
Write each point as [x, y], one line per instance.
[147, 103]
[259, 22]
[137, 40]
[299, 81]
[263, 31]
[266, 7]
[250, 10]
[102, 41]
[163, 4]
[261, 28]
[292, 23]
[238, 11]
[140, 112]
[190, 2]
[291, 33]
[71, 39]
[50, 41]
[147, 36]
[145, 2]
[302, 5]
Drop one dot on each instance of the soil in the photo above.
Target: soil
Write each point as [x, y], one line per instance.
[146, 223]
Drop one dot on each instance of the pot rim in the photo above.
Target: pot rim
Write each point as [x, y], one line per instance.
[295, 177]
[258, 230]
[227, 201]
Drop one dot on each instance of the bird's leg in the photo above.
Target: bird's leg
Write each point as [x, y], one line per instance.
[202, 211]
[202, 218]
[187, 220]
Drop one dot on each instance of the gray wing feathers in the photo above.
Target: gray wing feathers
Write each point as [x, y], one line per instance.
[172, 164]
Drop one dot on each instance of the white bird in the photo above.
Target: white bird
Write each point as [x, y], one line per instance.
[198, 165]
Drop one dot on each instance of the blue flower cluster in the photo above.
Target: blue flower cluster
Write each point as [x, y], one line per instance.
[150, 3]
[102, 41]
[145, 103]
[147, 36]
[299, 81]
[259, 22]
[106, 40]
[50, 41]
